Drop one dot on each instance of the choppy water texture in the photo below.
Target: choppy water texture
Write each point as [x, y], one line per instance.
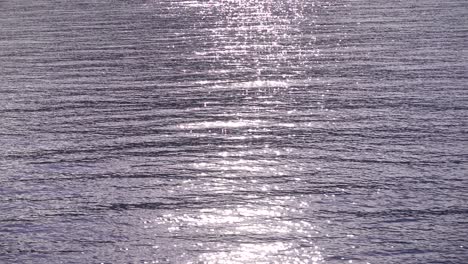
[233, 131]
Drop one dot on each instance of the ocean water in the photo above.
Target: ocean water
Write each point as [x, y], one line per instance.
[234, 131]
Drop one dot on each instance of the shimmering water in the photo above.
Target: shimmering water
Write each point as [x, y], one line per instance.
[233, 131]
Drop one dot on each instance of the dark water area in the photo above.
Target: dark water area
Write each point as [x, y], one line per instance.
[233, 131]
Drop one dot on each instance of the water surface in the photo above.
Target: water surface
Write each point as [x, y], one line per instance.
[233, 131]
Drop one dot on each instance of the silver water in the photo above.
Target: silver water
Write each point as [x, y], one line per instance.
[233, 131]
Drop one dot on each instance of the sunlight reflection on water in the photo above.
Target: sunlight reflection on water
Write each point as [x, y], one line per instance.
[260, 34]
